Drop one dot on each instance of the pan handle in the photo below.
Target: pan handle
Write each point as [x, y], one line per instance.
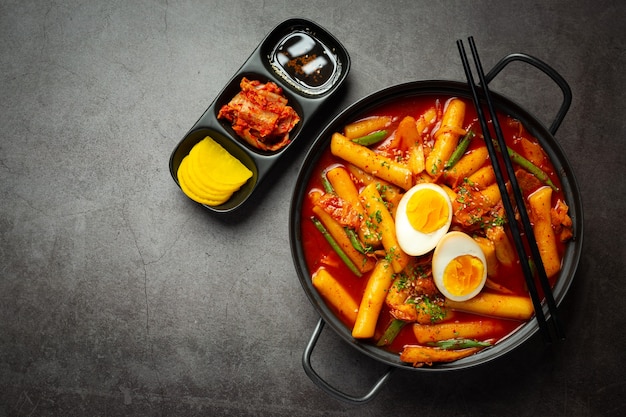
[332, 391]
[546, 69]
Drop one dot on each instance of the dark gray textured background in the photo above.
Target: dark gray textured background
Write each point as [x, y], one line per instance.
[119, 296]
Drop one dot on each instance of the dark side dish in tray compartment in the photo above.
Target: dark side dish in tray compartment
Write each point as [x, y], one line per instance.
[405, 234]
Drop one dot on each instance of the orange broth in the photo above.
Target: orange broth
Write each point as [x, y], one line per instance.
[318, 252]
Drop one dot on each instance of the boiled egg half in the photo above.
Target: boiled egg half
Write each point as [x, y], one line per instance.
[459, 266]
[423, 217]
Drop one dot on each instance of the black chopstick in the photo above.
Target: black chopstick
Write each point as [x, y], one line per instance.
[519, 201]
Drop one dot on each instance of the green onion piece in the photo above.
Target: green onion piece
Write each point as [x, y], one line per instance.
[371, 139]
[528, 166]
[333, 243]
[453, 344]
[392, 331]
[460, 150]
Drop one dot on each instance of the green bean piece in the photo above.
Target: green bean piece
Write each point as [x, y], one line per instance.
[532, 168]
[335, 246]
[354, 239]
[371, 139]
[391, 332]
[528, 166]
[460, 150]
[328, 187]
[454, 344]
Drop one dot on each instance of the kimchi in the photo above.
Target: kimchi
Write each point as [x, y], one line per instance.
[259, 113]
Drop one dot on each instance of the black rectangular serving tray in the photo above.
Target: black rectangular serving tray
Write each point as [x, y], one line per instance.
[306, 98]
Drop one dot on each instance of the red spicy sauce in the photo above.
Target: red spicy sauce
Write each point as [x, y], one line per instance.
[318, 253]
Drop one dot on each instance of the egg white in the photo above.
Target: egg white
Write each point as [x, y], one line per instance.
[452, 245]
[414, 242]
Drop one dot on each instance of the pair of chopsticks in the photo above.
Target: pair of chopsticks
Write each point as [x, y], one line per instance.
[506, 200]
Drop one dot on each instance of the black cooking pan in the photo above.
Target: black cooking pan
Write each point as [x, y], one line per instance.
[436, 88]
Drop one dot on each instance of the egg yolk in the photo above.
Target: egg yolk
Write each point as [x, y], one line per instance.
[427, 210]
[463, 274]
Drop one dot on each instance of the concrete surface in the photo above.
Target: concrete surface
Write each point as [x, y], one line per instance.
[119, 296]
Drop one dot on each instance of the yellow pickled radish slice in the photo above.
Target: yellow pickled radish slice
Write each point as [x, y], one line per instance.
[197, 198]
[193, 184]
[210, 174]
[220, 164]
[206, 177]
